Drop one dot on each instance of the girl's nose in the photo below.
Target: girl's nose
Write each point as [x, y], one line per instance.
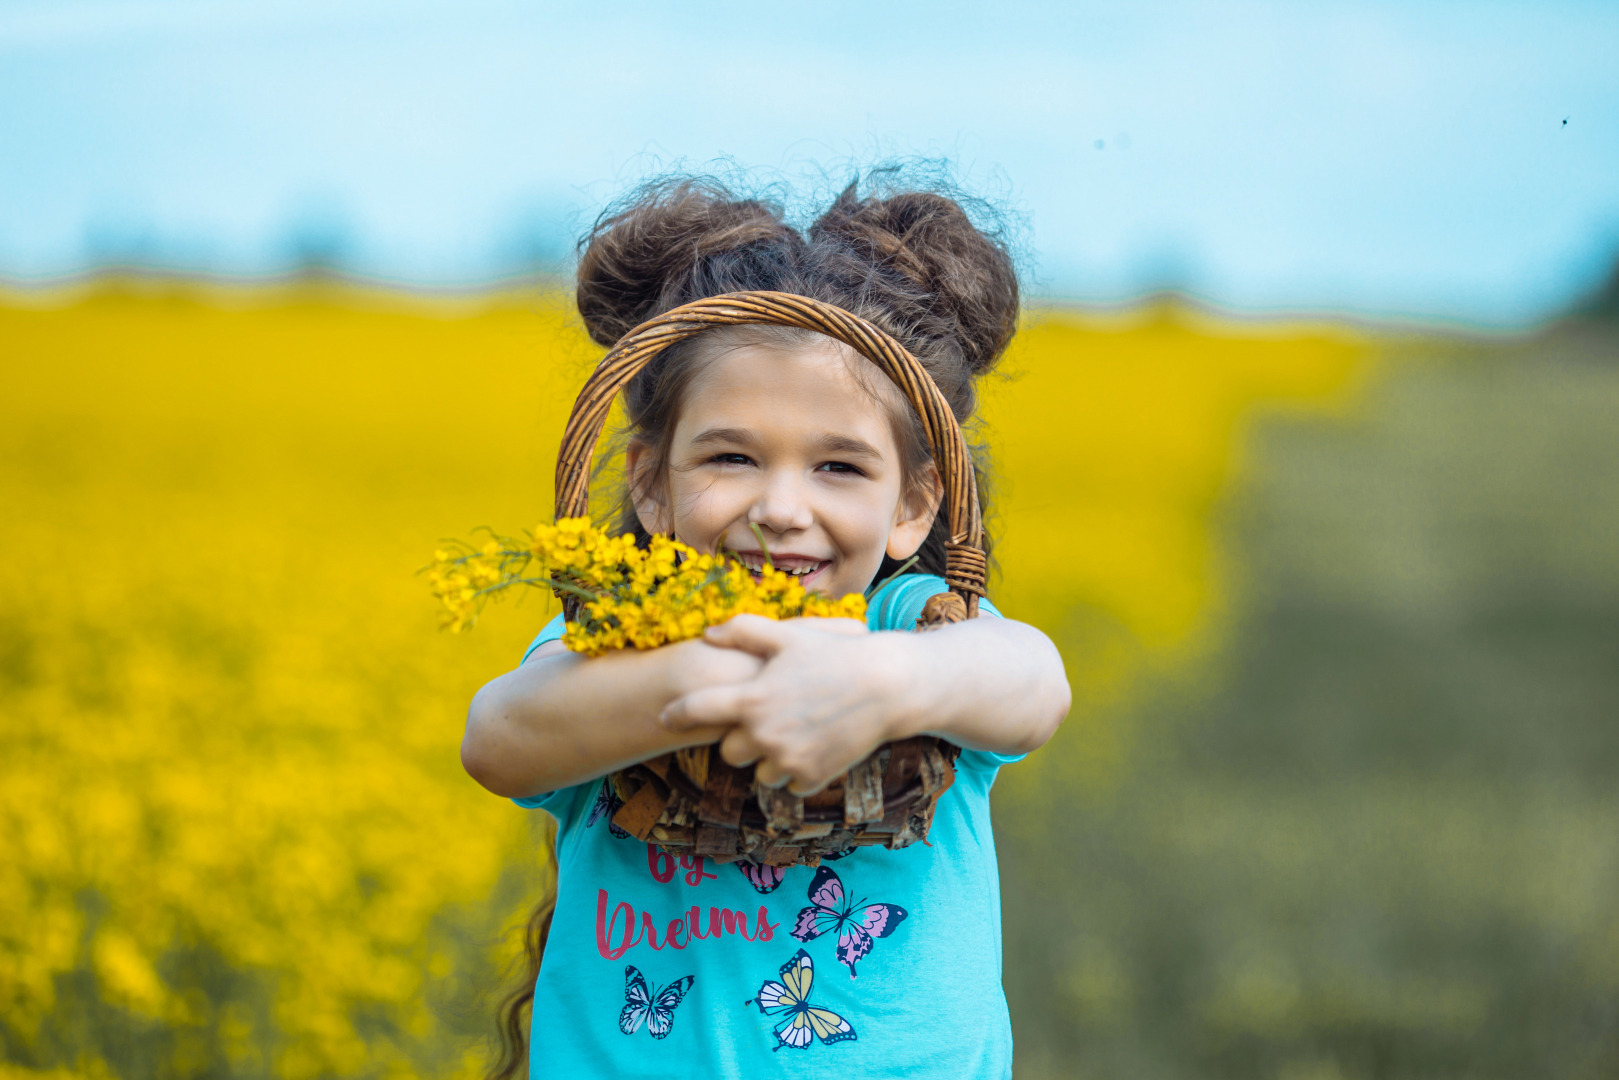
[781, 506]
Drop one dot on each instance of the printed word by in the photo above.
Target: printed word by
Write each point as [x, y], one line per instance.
[662, 865]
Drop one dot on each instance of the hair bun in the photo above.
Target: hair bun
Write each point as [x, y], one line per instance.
[927, 239]
[650, 252]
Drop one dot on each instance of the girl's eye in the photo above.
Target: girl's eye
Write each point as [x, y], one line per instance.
[842, 467]
[731, 459]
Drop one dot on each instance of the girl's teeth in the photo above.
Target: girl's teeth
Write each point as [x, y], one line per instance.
[803, 571]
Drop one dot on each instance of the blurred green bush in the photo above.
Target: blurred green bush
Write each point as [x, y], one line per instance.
[1374, 831]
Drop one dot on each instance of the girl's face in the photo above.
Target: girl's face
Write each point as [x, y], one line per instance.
[788, 439]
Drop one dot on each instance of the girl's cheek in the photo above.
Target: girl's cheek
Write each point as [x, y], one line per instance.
[703, 514]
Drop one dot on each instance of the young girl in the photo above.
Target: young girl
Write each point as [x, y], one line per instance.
[881, 963]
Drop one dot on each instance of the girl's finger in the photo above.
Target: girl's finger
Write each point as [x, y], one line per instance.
[751, 634]
[712, 705]
[738, 749]
[767, 774]
[804, 792]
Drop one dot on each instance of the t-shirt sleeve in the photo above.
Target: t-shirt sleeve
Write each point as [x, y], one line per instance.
[552, 632]
[568, 805]
[897, 606]
[986, 760]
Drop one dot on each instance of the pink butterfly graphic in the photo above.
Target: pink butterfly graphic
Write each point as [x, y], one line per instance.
[767, 879]
[858, 924]
[762, 876]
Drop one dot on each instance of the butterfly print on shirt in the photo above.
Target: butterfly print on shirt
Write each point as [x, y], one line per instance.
[767, 879]
[656, 1010]
[762, 876]
[858, 924]
[607, 804]
[804, 1022]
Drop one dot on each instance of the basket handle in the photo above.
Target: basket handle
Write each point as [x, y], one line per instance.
[965, 566]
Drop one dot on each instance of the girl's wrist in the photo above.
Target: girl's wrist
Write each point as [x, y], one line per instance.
[697, 665]
[901, 669]
[684, 668]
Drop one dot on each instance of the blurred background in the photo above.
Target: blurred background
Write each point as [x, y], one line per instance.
[1307, 456]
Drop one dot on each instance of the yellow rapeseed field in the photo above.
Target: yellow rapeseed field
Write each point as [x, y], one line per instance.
[234, 832]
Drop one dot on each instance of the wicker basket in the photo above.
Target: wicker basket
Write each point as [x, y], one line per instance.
[692, 800]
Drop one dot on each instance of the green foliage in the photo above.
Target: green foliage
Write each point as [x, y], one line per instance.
[1373, 833]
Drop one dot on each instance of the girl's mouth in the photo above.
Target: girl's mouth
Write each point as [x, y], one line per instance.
[798, 566]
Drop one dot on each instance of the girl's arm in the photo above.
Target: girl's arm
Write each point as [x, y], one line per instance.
[828, 694]
[562, 718]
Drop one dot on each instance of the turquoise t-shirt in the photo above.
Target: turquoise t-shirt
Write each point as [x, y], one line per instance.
[877, 964]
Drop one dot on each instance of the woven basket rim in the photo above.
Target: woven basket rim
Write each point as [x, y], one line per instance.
[966, 565]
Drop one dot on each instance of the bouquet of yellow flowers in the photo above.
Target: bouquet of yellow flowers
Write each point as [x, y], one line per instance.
[629, 596]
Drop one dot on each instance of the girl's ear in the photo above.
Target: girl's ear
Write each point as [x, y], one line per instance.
[646, 492]
[913, 520]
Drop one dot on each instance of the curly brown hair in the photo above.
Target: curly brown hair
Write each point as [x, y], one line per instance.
[909, 259]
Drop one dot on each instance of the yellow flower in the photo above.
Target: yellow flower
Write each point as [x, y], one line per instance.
[631, 597]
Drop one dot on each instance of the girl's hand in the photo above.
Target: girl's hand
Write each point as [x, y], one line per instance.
[828, 694]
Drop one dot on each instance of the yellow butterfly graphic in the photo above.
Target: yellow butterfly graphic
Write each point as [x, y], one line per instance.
[804, 1022]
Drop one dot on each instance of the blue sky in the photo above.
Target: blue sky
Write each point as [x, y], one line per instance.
[1379, 158]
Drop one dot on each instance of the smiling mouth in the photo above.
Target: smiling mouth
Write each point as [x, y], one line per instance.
[796, 566]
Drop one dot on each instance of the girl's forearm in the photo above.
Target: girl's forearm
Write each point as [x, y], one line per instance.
[565, 719]
[986, 684]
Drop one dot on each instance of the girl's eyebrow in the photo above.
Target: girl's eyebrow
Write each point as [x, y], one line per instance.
[729, 435]
[848, 446]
